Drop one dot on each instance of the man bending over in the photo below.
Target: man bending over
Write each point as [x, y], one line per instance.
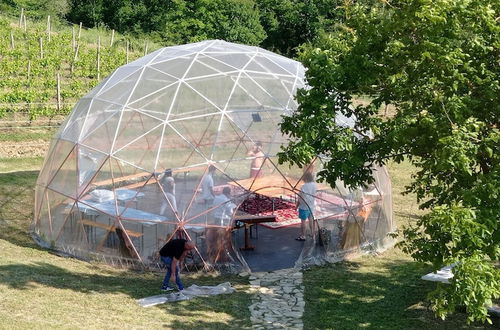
[172, 254]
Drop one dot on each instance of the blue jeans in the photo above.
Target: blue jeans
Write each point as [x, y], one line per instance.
[168, 261]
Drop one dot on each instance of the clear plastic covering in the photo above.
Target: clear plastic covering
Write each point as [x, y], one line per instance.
[182, 143]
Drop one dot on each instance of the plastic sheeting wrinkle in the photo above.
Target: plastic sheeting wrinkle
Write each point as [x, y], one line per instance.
[189, 293]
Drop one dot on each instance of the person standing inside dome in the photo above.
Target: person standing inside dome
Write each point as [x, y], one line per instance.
[207, 187]
[168, 206]
[306, 203]
[218, 239]
[224, 207]
[168, 180]
[257, 161]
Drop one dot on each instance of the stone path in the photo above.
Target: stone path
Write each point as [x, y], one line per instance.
[278, 300]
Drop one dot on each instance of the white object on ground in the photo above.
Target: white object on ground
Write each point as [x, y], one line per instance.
[494, 311]
[186, 294]
[443, 275]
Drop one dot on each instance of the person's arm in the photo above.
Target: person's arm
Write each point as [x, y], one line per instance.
[298, 197]
[183, 255]
[181, 259]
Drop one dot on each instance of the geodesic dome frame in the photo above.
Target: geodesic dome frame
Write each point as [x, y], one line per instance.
[102, 192]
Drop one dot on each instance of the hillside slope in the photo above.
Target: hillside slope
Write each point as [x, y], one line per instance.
[32, 58]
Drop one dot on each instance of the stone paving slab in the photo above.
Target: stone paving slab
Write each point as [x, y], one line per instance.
[278, 299]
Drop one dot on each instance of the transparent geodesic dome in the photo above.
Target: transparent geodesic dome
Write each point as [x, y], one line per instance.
[182, 143]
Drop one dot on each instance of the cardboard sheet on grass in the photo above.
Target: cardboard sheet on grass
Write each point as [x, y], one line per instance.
[188, 293]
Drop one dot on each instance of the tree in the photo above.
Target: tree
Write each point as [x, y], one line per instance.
[229, 20]
[175, 21]
[126, 15]
[434, 66]
[90, 13]
[36, 8]
[288, 23]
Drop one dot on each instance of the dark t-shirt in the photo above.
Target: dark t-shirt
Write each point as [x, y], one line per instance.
[174, 248]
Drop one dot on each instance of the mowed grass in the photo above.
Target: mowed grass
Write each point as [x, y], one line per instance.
[21, 164]
[39, 289]
[26, 134]
[378, 292]
[383, 292]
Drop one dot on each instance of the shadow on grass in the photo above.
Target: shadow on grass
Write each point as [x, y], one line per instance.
[137, 285]
[406, 215]
[374, 293]
[16, 214]
[16, 207]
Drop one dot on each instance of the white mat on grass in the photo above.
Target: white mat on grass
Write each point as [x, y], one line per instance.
[188, 293]
[443, 275]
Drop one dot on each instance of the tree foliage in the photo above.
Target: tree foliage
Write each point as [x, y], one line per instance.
[278, 25]
[230, 20]
[434, 66]
[36, 8]
[288, 23]
[291, 23]
[175, 21]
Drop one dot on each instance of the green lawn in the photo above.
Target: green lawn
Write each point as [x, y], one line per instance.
[27, 134]
[41, 290]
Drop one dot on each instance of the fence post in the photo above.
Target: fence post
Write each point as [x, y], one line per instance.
[58, 93]
[145, 48]
[48, 27]
[98, 58]
[21, 18]
[29, 71]
[127, 50]
[75, 58]
[73, 37]
[79, 31]
[41, 48]
[12, 40]
[112, 38]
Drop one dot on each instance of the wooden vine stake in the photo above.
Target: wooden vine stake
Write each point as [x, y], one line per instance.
[112, 38]
[75, 58]
[80, 31]
[21, 18]
[48, 28]
[73, 42]
[98, 58]
[127, 51]
[41, 48]
[58, 93]
[29, 71]
[11, 40]
[24, 20]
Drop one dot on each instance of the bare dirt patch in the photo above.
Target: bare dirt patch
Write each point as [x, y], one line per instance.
[18, 149]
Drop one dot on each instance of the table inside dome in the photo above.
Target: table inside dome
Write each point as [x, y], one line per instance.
[275, 195]
[275, 185]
